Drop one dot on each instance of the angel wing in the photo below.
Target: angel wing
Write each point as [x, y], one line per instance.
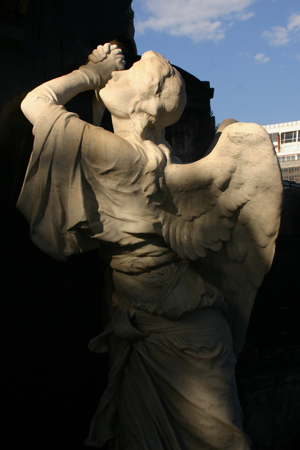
[224, 212]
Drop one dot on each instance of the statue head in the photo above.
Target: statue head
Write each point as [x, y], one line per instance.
[151, 93]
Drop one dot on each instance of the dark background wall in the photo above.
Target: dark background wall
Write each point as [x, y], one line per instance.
[48, 38]
[51, 383]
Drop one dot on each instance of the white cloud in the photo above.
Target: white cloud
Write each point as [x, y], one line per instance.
[294, 23]
[261, 58]
[196, 19]
[246, 16]
[279, 36]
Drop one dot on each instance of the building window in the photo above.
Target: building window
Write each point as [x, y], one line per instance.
[290, 176]
[274, 137]
[289, 137]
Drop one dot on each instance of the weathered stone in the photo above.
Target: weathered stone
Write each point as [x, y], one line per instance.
[189, 245]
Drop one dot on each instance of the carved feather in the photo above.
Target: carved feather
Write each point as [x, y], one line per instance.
[227, 217]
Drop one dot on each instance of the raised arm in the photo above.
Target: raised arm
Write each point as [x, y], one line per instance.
[92, 76]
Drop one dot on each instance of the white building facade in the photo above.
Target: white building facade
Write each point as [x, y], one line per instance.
[286, 140]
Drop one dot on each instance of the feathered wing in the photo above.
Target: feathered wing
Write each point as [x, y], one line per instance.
[224, 212]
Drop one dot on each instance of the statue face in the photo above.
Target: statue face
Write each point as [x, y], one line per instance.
[120, 91]
[142, 89]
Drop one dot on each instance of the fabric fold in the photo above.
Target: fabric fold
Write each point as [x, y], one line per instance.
[121, 330]
[171, 385]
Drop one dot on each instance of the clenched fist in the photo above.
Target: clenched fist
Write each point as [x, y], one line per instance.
[105, 59]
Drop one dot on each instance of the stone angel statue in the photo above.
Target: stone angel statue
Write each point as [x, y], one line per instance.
[189, 245]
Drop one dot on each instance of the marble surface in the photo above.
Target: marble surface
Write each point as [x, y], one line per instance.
[189, 245]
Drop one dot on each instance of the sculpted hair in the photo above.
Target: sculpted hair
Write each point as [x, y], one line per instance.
[160, 103]
[162, 97]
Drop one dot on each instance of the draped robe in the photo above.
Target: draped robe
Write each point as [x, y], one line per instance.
[172, 382]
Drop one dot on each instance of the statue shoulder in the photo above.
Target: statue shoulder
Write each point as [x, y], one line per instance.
[108, 151]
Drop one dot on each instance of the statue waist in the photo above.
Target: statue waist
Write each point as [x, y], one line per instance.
[169, 291]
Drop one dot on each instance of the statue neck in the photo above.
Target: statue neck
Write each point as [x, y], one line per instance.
[123, 127]
[126, 128]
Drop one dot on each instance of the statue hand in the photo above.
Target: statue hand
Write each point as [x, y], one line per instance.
[106, 59]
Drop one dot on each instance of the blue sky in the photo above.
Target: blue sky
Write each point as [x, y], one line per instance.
[249, 51]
